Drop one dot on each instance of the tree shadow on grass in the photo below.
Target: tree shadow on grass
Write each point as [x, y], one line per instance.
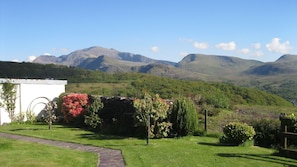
[31, 129]
[215, 144]
[273, 158]
[97, 136]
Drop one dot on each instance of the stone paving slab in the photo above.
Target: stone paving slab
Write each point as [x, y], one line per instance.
[107, 157]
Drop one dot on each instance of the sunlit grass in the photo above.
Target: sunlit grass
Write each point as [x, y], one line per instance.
[16, 153]
[187, 151]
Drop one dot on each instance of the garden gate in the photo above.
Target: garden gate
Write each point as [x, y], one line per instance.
[285, 135]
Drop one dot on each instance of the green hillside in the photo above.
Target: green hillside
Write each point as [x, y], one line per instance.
[132, 84]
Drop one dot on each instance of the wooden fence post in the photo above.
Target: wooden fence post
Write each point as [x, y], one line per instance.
[205, 120]
[284, 129]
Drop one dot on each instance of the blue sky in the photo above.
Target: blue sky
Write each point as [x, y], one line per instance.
[160, 29]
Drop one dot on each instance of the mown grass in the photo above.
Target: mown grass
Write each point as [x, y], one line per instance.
[188, 151]
[24, 154]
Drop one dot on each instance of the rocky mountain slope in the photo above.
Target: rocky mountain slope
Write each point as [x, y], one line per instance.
[98, 58]
[193, 66]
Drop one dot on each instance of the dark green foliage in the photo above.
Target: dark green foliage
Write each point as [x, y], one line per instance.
[184, 117]
[267, 133]
[77, 121]
[236, 133]
[58, 112]
[289, 120]
[241, 95]
[216, 94]
[213, 112]
[117, 116]
[92, 118]
[40, 71]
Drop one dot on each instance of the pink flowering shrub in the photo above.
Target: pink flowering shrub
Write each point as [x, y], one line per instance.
[74, 105]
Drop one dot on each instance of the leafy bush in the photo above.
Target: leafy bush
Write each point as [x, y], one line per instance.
[58, 112]
[20, 117]
[161, 126]
[92, 118]
[237, 133]
[30, 116]
[290, 120]
[74, 106]
[161, 129]
[267, 133]
[184, 117]
[152, 112]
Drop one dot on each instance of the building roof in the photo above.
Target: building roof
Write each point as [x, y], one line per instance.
[34, 81]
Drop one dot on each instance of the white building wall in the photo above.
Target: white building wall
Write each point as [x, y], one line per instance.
[28, 95]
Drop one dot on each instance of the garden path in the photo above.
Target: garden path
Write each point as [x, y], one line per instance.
[107, 157]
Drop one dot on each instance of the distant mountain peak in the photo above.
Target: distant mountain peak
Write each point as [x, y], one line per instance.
[108, 59]
[287, 58]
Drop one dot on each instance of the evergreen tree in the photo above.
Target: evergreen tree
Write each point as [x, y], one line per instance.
[184, 117]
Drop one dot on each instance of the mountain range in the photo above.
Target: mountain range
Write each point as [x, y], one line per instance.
[278, 77]
[192, 66]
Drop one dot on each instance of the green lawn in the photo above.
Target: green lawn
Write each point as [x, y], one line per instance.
[187, 151]
[16, 153]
